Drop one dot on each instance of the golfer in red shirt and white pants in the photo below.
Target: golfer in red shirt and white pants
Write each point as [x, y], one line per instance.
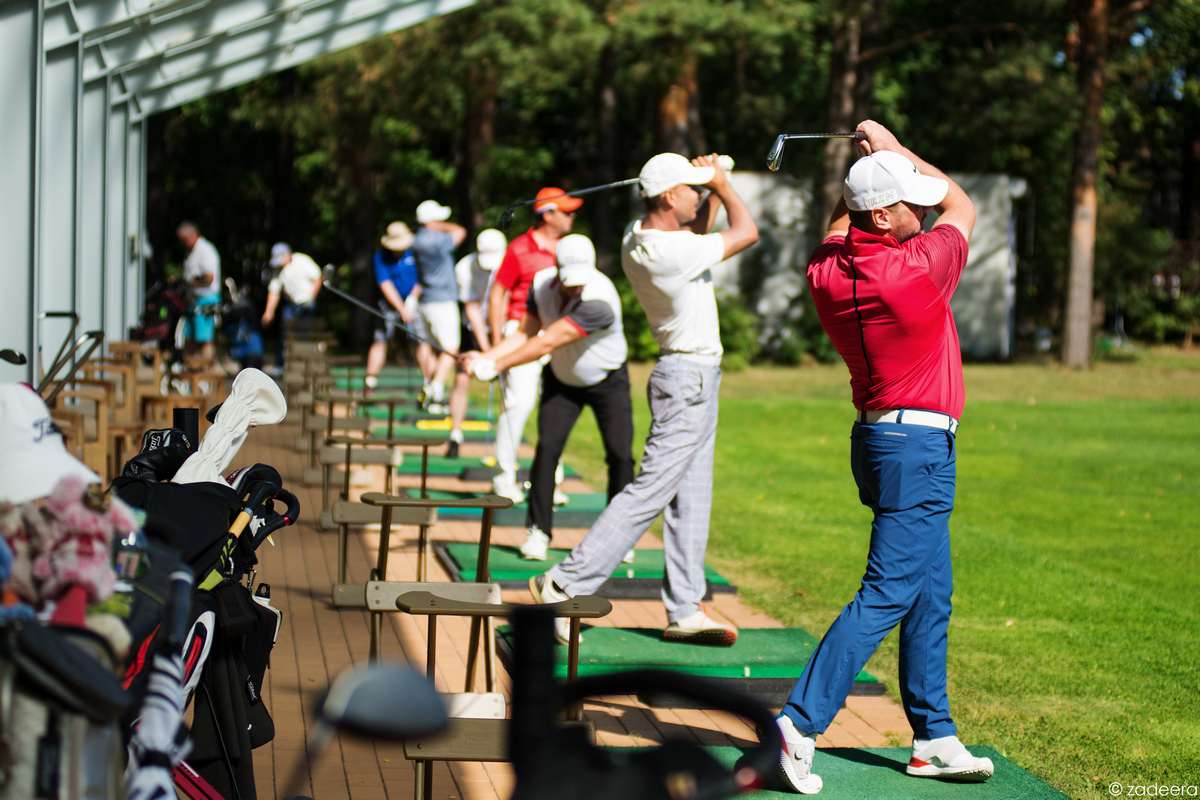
[882, 291]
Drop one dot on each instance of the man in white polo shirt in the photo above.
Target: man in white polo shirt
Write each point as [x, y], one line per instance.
[578, 311]
[668, 255]
[297, 285]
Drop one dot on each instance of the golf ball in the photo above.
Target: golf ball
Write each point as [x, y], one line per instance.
[725, 162]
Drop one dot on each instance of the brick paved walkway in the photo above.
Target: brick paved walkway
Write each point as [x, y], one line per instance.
[317, 641]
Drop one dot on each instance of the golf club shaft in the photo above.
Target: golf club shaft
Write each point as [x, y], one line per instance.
[383, 316]
[505, 221]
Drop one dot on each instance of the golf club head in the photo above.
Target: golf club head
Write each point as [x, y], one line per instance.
[383, 701]
[506, 218]
[13, 357]
[775, 154]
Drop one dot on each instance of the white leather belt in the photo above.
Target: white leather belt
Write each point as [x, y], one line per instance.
[911, 416]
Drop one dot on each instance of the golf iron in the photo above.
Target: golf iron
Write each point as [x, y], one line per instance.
[384, 317]
[775, 154]
[506, 216]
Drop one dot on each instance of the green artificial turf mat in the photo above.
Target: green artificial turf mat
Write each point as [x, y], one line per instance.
[581, 512]
[440, 465]
[766, 652]
[403, 431]
[505, 563]
[877, 773]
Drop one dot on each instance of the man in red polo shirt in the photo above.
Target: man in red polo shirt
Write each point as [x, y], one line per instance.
[882, 291]
[527, 255]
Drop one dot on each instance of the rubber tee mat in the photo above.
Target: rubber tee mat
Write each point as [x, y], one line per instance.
[765, 662]
[581, 512]
[877, 773]
[641, 580]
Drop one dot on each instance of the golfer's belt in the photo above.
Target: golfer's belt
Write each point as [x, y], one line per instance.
[911, 416]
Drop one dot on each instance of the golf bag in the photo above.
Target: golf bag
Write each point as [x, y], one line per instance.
[59, 707]
[240, 321]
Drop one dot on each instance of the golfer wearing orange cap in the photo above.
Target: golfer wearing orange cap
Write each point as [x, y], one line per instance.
[528, 254]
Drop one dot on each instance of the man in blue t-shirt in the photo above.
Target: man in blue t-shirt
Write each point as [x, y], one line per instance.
[396, 276]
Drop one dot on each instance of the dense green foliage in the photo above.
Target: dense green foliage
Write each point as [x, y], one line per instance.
[1073, 644]
[485, 105]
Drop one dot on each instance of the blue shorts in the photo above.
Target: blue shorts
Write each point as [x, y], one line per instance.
[200, 326]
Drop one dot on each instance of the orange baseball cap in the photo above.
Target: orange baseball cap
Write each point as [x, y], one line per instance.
[558, 203]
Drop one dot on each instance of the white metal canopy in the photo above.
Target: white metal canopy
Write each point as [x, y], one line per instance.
[79, 79]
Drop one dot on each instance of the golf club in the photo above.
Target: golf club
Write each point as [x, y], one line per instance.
[506, 216]
[775, 154]
[12, 357]
[382, 316]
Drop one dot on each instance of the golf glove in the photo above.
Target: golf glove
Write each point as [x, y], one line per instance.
[484, 369]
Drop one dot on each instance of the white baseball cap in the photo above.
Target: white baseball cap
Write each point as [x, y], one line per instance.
[885, 178]
[490, 244]
[576, 259]
[432, 210]
[278, 251]
[33, 458]
[668, 170]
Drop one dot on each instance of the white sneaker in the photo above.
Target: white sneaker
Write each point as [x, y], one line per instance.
[544, 591]
[946, 758]
[561, 498]
[700, 628]
[628, 558]
[505, 486]
[536, 544]
[796, 757]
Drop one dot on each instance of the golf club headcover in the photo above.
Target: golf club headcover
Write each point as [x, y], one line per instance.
[254, 400]
[484, 369]
[163, 452]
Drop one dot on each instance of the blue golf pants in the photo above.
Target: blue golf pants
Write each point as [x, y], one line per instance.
[905, 474]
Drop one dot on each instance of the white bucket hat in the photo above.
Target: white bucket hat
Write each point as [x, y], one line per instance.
[491, 246]
[885, 178]
[668, 170]
[576, 259]
[33, 458]
[431, 211]
[398, 238]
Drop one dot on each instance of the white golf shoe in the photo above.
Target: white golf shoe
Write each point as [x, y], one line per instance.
[544, 591]
[536, 545]
[796, 757]
[946, 758]
[506, 486]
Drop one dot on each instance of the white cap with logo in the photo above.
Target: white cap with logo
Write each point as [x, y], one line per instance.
[431, 211]
[32, 456]
[490, 245]
[885, 178]
[668, 170]
[576, 259]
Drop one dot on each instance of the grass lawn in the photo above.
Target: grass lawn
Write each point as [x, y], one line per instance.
[1074, 642]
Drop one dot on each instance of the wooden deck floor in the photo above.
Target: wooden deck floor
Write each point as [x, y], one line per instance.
[316, 641]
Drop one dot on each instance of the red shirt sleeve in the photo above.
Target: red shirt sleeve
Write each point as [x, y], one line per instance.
[509, 272]
[942, 253]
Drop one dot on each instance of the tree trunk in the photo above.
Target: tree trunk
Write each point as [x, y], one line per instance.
[864, 81]
[679, 127]
[843, 78]
[285, 156]
[606, 148]
[157, 223]
[479, 128]
[1077, 327]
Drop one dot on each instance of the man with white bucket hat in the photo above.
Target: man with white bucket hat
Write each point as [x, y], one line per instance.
[668, 256]
[882, 291]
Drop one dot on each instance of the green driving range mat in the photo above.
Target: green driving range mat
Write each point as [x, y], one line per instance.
[440, 465]
[473, 430]
[581, 512]
[641, 580]
[765, 662]
[877, 773]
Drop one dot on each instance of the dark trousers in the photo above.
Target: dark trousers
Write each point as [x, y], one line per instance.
[560, 407]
